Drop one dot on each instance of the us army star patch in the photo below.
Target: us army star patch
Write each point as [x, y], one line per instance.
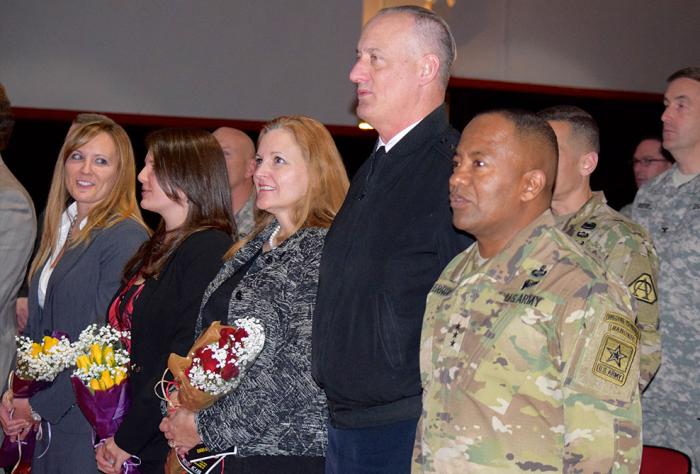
[614, 360]
[642, 288]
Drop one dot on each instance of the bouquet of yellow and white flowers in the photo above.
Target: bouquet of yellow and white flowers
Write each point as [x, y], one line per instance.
[42, 362]
[101, 359]
[37, 365]
[100, 380]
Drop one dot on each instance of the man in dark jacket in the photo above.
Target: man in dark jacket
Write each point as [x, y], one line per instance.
[388, 244]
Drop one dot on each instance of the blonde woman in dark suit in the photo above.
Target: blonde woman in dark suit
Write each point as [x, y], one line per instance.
[92, 226]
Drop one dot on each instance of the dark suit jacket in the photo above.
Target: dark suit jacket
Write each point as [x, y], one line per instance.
[79, 291]
[385, 249]
[163, 322]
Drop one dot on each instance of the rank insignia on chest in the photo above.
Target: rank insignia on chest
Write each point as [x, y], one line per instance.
[588, 225]
[642, 288]
[582, 234]
[539, 272]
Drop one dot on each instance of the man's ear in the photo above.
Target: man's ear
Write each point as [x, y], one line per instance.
[250, 169]
[588, 163]
[533, 183]
[429, 68]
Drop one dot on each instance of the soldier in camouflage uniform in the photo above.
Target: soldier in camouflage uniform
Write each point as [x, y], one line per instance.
[620, 245]
[239, 152]
[529, 353]
[669, 207]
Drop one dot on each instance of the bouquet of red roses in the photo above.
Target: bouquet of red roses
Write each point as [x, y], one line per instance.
[213, 367]
[36, 367]
[100, 381]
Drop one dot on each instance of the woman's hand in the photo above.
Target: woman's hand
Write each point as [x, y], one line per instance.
[180, 429]
[110, 457]
[13, 422]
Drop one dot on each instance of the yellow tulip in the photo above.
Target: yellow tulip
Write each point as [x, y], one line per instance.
[106, 380]
[96, 353]
[48, 343]
[36, 349]
[95, 385]
[108, 356]
[83, 362]
[120, 377]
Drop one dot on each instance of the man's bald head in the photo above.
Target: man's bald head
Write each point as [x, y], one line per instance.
[239, 151]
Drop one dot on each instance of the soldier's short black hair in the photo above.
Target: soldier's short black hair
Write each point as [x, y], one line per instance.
[527, 123]
[583, 125]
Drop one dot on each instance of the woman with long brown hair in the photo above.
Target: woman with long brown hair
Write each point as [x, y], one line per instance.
[92, 226]
[275, 421]
[184, 181]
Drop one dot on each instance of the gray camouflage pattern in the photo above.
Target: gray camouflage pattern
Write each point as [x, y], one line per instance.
[245, 218]
[672, 402]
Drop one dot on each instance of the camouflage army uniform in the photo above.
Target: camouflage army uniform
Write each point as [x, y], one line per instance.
[671, 213]
[625, 249]
[529, 362]
[245, 218]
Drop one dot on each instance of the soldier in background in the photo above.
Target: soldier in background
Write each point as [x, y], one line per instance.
[669, 207]
[239, 151]
[621, 246]
[529, 353]
[650, 159]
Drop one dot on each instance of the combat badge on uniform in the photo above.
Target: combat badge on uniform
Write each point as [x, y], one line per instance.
[642, 288]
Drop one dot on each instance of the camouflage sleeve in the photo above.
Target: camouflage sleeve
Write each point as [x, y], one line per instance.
[602, 410]
[637, 264]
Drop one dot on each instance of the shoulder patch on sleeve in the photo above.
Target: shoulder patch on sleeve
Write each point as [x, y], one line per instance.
[614, 360]
[642, 288]
[608, 362]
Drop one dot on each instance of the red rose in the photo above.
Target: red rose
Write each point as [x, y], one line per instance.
[207, 360]
[230, 371]
[240, 334]
[224, 336]
[199, 352]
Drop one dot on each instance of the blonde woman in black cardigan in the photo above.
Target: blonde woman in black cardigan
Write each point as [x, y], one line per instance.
[275, 421]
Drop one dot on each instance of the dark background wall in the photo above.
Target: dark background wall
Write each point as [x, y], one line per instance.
[623, 118]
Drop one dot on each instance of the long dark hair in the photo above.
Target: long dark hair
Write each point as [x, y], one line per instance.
[191, 162]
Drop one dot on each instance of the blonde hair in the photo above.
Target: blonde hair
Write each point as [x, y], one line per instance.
[120, 204]
[328, 181]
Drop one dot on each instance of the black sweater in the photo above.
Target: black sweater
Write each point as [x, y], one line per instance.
[387, 246]
[163, 322]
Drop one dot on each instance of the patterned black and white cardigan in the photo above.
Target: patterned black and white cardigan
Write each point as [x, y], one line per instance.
[277, 409]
